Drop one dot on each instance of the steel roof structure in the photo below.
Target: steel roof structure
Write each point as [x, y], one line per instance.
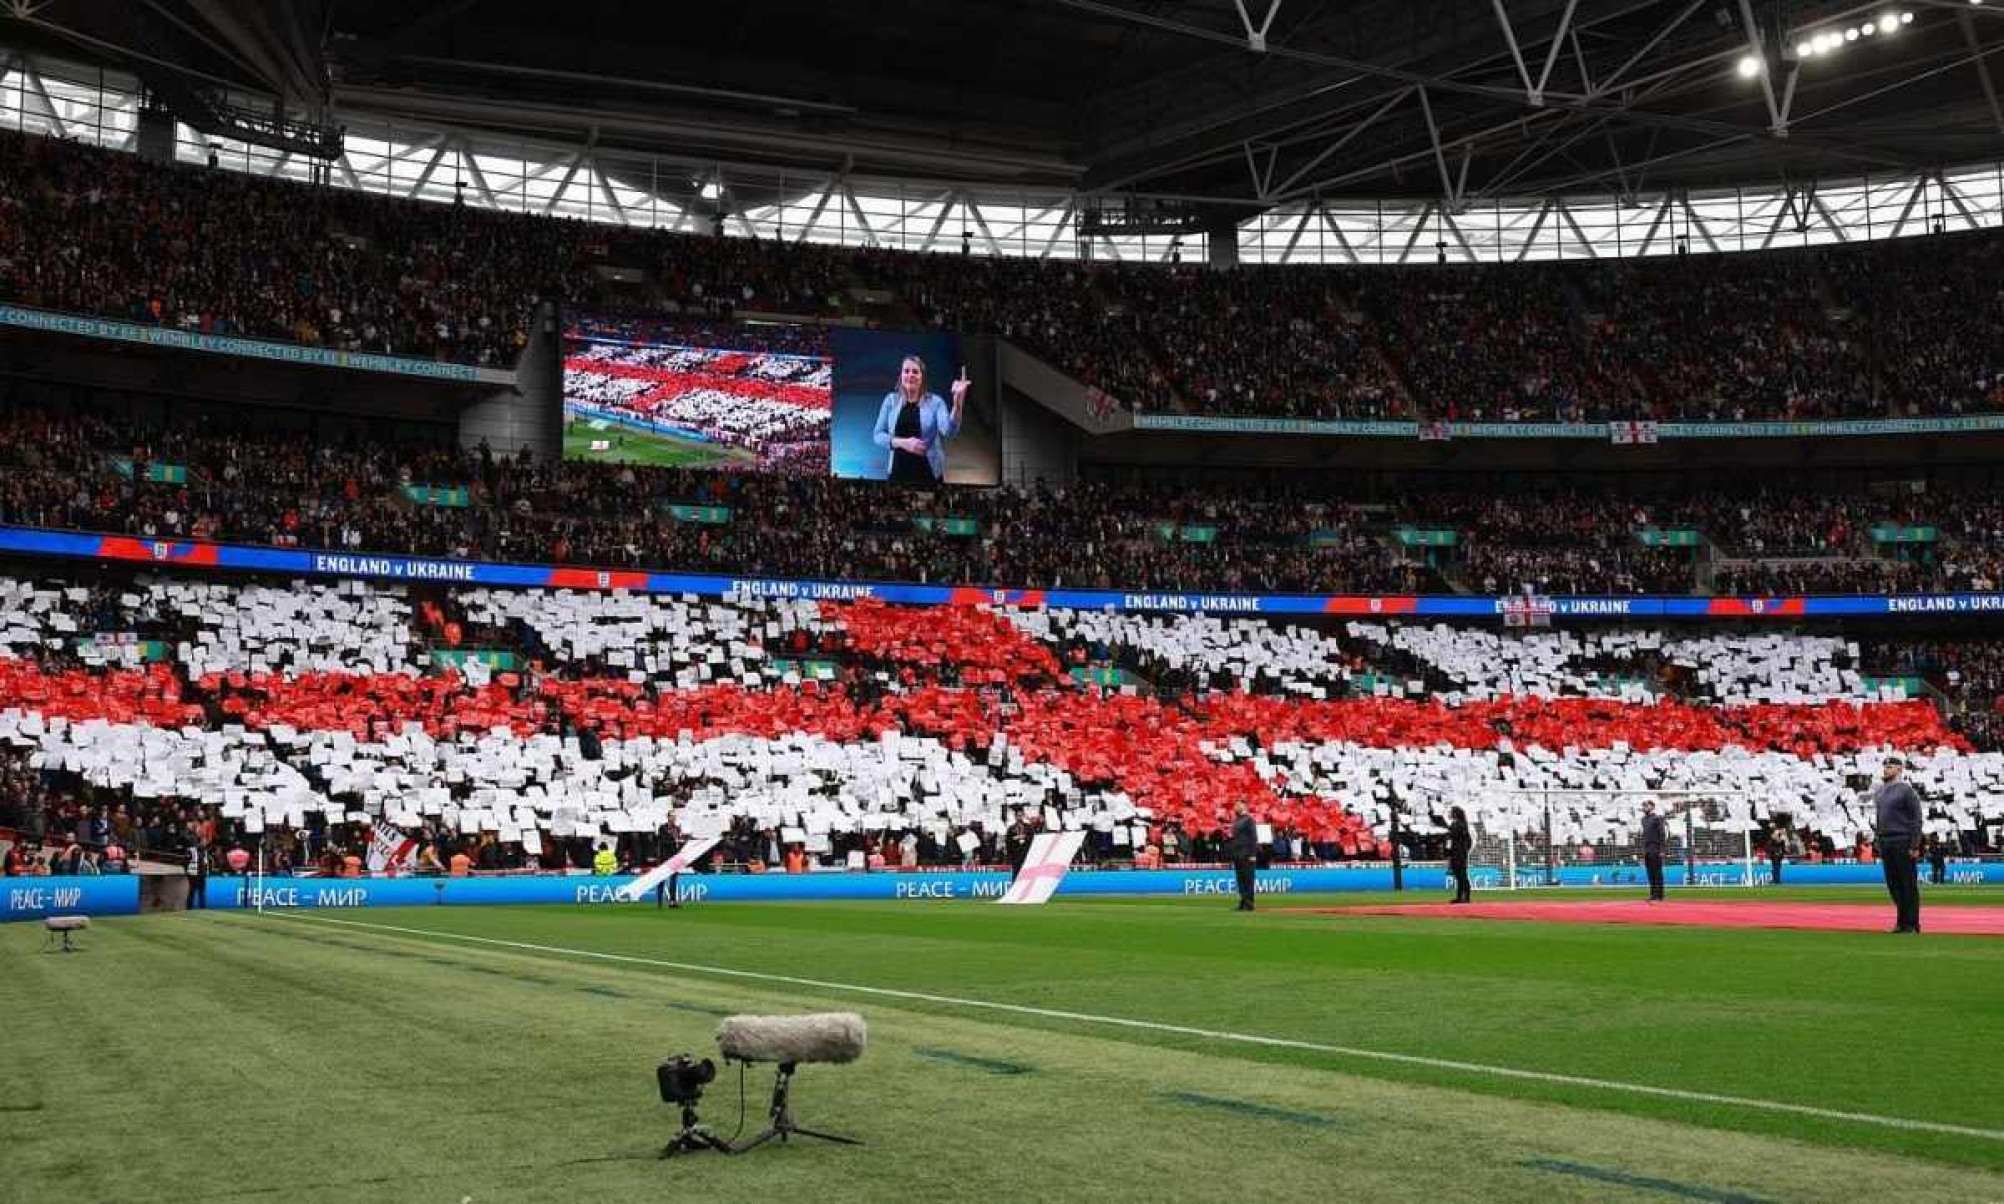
[1248, 114]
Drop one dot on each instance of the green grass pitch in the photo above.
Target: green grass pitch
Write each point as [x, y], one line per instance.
[644, 447]
[476, 1054]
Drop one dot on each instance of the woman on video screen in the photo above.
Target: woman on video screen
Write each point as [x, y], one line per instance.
[914, 425]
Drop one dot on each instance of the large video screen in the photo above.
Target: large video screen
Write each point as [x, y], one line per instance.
[907, 408]
[694, 394]
[911, 409]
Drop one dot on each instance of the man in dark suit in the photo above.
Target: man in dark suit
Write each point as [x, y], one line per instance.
[1655, 838]
[198, 874]
[1458, 844]
[1244, 848]
[1898, 813]
[1016, 843]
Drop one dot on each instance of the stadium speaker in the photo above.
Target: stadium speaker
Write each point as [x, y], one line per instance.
[788, 1041]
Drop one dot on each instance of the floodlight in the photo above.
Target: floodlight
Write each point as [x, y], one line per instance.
[1749, 66]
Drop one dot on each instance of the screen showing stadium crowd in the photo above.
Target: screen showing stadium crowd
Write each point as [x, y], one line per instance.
[244, 484]
[504, 729]
[1894, 328]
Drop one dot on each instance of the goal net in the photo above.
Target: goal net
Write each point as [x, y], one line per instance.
[1525, 838]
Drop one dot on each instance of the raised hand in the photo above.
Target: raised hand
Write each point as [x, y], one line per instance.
[960, 387]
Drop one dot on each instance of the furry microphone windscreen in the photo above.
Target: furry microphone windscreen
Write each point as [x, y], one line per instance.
[822, 1037]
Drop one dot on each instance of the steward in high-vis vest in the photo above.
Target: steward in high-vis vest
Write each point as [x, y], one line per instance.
[606, 863]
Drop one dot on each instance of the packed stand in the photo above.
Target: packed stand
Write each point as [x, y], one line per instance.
[1488, 346]
[334, 719]
[89, 471]
[1697, 357]
[1901, 327]
[1274, 342]
[100, 232]
[1969, 675]
[1070, 313]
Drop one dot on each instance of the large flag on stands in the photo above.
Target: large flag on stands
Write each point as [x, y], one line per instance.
[390, 848]
[686, 856]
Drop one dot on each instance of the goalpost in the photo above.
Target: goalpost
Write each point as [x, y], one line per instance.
[1526, 838]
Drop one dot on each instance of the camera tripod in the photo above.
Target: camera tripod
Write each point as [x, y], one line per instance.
[781, 1125]
[694, 1137]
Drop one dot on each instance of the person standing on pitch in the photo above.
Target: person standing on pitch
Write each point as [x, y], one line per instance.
[1458, 844]
[1937, 860]
[1899, 826]
[1777, 848]
[1655, 837]
[1244, 848]
[198, 875]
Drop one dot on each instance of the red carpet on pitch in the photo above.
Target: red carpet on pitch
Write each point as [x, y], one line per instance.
[1702, 913]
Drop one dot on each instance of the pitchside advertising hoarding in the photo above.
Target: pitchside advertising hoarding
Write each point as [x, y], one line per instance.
[34, 898]
[31, 541]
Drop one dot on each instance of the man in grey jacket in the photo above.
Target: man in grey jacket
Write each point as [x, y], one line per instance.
[1898, 822]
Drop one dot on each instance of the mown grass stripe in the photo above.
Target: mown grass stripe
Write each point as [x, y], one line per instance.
[1247, 1108]
[704, 1009]
[1669, 1187]
[991, 1065]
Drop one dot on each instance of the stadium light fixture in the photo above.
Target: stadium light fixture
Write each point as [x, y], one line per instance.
[1815, 43]
[1749, 66]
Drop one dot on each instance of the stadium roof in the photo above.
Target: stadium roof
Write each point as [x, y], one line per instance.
[1456, 99]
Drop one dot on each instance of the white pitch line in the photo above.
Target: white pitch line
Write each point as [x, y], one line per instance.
[1209, 1034]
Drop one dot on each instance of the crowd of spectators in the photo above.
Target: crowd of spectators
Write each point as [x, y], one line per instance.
[244, 484]
[1894, 328]
[1504, 569]
[107, 234]
[1277, 342]
[1791, 577]
[104, 233]
[1481, 345]
[1969, 674]
[1731, 338]
[1070, 313]
[57, 822]
[1740, 523]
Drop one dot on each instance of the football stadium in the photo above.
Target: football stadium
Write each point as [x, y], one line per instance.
[1042, 600]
